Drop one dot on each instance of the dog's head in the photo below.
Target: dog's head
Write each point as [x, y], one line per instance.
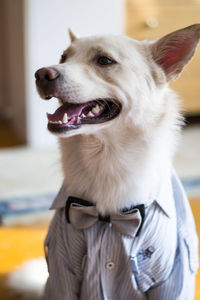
[113, 80]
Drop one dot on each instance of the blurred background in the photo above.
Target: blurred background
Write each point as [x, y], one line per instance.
[33, 34]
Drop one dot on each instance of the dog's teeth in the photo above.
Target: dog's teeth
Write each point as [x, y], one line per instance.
[53, 122]
[96, 109]
[65, 118]
[60, 122]
[83, 116]
[90, 114]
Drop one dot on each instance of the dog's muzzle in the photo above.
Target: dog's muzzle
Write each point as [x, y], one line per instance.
[72, 116]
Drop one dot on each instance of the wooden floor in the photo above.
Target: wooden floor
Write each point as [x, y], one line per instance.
[195, 204]
[17, 245]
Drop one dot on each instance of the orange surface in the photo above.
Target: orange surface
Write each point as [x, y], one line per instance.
[195, 204]
[18, 245]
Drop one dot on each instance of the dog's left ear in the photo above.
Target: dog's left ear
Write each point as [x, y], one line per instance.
[72, 35]
[173, 51]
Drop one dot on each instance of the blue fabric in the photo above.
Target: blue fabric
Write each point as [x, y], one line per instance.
[100, 263]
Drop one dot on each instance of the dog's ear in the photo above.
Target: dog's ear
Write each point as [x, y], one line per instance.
[72, 35]
[173, 51]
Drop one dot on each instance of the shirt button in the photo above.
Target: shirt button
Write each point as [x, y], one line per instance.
[110, 265]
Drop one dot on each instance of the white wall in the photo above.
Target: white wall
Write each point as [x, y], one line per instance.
[46, 24]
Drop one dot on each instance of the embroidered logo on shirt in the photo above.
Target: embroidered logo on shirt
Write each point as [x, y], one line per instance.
[147, 253]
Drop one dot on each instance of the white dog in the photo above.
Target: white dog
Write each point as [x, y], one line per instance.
[123, 228]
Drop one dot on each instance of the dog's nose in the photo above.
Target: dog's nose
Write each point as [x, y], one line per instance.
[46, 74]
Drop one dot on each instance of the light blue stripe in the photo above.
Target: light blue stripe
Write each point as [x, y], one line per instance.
[191, 182]
[22, 205]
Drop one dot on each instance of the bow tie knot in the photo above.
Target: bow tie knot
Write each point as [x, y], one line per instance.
[82, 214]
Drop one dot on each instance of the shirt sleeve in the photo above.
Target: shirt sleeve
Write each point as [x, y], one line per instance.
[63, 282]
[181, 282]
[185, 223]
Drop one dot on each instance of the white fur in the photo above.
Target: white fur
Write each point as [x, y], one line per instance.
[116, 170]
[124, 161]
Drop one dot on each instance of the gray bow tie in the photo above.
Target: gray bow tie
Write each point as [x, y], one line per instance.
[82, 214]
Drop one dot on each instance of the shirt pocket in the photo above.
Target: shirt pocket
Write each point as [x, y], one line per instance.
[191, 244]
[151, 268]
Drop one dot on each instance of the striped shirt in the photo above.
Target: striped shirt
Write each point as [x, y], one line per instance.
[100, 263]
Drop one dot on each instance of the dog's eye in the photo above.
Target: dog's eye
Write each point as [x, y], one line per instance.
[63, 58]
[103, 61]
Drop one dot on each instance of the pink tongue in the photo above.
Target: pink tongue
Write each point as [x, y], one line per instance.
[72, 110]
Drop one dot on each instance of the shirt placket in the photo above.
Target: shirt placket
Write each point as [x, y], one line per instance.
[107, 263]
[111, 258]
[115, 262]
[91, 288]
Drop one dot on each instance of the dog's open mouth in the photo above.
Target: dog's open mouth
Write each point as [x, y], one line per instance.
[71, 116]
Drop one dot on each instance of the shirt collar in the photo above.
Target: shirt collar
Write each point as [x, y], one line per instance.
[61, 198]
[163, 198]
